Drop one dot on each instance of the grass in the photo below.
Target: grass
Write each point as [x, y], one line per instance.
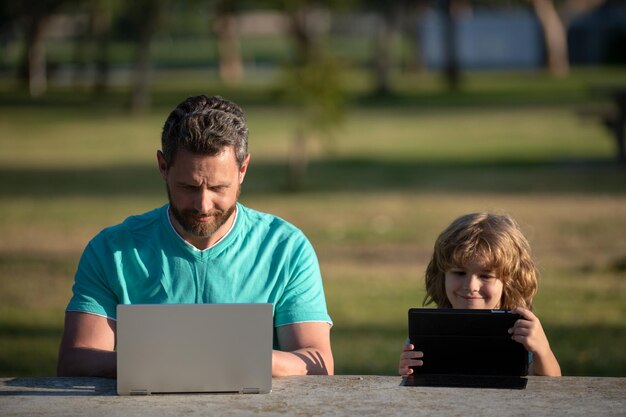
[374, 200]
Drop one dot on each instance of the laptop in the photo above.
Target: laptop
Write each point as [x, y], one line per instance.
[194, 348]
[466, 348]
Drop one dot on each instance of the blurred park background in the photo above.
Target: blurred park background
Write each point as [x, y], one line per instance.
[372, 126]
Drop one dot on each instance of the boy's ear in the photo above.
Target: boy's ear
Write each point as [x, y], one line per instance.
[162, 164]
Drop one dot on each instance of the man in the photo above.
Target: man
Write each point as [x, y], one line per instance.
[202, 247]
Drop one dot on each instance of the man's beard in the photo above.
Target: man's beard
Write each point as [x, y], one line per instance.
[187, 219]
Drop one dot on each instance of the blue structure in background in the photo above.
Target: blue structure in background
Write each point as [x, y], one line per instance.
[486, 39]
[510, 38]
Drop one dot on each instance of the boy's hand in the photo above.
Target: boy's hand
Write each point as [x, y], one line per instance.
[528, 331]
[409, 357]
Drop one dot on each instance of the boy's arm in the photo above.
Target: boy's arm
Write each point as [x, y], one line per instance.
[529, 332]
[545, 365]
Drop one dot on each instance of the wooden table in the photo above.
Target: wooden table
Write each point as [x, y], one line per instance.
[319, 396]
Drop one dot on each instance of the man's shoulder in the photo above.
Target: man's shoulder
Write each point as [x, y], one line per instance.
[135, 225]
[269, 222]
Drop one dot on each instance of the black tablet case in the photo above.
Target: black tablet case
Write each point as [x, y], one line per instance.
[466, 348]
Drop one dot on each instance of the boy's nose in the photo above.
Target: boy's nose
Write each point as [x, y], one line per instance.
[472, 283]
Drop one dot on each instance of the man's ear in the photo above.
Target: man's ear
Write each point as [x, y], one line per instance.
[244, 168]
[162, 164]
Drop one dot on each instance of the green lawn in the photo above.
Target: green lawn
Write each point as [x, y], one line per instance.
[374, 200]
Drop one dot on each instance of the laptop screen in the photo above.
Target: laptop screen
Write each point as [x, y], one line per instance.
[183, 348]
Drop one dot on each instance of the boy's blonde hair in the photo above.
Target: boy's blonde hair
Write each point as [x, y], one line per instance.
[495, 240]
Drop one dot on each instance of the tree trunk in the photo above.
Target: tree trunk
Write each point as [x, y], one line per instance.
[412, 31]
[302, 35]
[304, 44]
[228, 45]
[298, 161]
[34, 70]
[554, 35]
[451, 65]
[102, 17]
[140, 100]
[80, 56]
[383, 51]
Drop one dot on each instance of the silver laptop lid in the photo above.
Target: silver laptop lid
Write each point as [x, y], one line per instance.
[193, 348]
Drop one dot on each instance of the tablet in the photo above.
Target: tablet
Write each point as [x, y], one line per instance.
[467, 348]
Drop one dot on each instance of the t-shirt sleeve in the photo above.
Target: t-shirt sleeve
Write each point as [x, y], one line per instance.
[303, 299]
[91, 291]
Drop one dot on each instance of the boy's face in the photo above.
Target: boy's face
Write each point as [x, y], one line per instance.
[473, 286]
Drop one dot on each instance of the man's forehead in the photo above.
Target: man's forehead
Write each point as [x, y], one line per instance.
[187, 155]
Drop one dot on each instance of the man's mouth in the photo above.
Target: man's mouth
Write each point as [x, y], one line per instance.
[202, 218]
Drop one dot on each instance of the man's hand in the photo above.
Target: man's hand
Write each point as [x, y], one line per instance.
[88, 346]
[305, 350]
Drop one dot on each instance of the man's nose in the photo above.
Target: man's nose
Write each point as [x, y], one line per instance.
[204, 201]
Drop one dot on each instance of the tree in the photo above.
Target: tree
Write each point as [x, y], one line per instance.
[452, 69]
[228, 42]
[312, 82]
[385, 37]
[92, 43]
[555, 38]
[146, 14]
[394, 22]
[37, 16]
[103, 13]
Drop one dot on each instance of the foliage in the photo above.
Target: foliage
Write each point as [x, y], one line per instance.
[316, 90]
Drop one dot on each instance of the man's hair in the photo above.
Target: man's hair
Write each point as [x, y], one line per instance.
[205, 125]
[495, 240]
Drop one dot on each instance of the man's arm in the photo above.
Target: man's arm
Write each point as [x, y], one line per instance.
[305, 350]
[88, 346]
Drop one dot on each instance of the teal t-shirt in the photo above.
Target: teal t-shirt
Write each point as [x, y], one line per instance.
[263, 259]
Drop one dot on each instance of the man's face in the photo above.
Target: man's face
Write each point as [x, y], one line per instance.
[202, 192]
